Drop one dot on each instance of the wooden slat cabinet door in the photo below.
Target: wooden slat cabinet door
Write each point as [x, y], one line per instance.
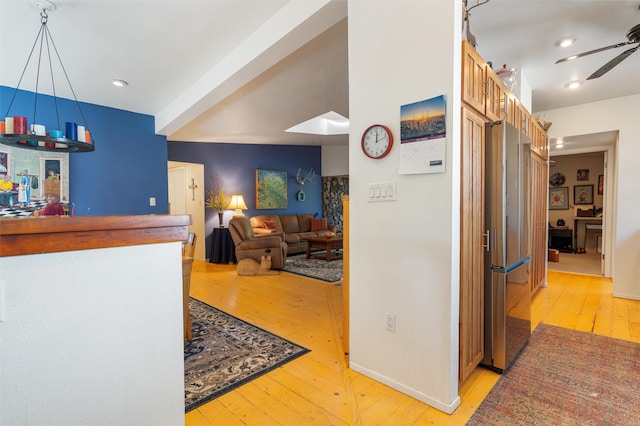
[472, 242]
[539, 228]
[508, 105]
[495, 91]
[523, 118]
[473, 78]
[539, 140]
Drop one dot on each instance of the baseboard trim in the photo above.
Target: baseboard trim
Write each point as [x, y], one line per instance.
[447, 408]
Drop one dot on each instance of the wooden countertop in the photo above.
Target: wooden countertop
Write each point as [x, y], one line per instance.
[51, 234]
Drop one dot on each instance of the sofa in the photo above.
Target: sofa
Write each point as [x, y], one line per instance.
[248, 246]
[294, 227]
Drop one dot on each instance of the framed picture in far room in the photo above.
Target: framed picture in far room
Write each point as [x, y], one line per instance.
[559, 198]
[583, 194]
[600, 184]
[583, 174]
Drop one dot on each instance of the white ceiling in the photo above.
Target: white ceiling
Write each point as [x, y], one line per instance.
[243, 71]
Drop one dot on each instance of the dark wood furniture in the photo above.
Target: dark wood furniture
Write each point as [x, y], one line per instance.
[580, 224]
[53, 234]
[561, 240]
[222, 248]
[329, 244]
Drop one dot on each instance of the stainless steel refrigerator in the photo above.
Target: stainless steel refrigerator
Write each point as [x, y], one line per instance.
[507, 296]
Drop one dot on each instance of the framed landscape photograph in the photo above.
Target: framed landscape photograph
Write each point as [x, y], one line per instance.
[271, 189]
[559, 198]
[583, 194]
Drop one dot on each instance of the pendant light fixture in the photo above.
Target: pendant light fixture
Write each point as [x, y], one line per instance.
[15, 130]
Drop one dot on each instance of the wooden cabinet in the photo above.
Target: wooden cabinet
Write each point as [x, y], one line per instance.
[509, 108]
[539, 140]
[495, 92]
[472, 241]
[473, 78]
[523, 118]
[345, 274]
[539, 177]
[52, 186]
[485, 98]
[482, 89]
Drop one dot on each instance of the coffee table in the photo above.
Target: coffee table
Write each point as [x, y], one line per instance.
[329, 244]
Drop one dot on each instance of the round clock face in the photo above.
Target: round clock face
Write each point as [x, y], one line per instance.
[557, 179]
[377, 141]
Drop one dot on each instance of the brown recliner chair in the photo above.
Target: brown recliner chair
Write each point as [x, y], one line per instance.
[249, 246]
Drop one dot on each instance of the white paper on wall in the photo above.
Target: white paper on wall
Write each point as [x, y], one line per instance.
[423, 136]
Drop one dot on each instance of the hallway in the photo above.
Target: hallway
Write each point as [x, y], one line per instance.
[577, 263]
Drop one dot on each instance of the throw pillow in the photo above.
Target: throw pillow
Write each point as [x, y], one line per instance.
[261, 231]
[319, 224]
[271, 224]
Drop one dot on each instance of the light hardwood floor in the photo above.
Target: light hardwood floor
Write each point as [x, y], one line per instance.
[319, 389]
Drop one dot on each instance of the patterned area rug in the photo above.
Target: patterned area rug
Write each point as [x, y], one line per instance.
[314, 268]
[227, 352]
[567, 377]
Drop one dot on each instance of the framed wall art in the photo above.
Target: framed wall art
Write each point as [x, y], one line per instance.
[559, 198]
[583, 194]
[600, 184]
[5, 169]
[271, 189]
[583, 174]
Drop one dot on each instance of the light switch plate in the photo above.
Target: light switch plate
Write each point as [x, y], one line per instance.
[385, 191]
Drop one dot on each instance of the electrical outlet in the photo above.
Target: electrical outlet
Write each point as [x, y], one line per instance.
[152, 201]
[390, 322]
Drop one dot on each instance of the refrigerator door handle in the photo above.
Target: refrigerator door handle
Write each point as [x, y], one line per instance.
[487, 239]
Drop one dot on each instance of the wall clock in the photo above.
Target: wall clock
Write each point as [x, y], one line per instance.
[557, 179]
[377, 141]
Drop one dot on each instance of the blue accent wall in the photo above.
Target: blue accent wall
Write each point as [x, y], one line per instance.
[235, 166]
[128, 166]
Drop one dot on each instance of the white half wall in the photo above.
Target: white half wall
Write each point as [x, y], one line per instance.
[405, 253]
[623, 115]
[92, 337]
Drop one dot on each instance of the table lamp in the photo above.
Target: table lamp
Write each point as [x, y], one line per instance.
[237, 204]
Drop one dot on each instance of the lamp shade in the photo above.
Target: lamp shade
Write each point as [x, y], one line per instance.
[237, 204]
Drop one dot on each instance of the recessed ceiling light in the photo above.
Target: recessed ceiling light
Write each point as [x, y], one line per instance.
[565, 41]
[573, 85]
[119, 83]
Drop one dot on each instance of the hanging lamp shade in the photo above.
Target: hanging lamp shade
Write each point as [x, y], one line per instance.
[18, 131]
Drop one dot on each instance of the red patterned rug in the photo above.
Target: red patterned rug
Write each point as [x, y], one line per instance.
[567, 377]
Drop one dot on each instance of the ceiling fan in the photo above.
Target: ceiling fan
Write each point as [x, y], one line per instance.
[633, 35]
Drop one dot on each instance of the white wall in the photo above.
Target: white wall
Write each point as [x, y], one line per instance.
[405, 253]
[622, 114]
[92, 337]
[335, 160]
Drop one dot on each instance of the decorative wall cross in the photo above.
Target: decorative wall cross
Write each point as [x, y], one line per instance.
[193, 187]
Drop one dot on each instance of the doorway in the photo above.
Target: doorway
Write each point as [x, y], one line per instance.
[186, 196]
[584, 175]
